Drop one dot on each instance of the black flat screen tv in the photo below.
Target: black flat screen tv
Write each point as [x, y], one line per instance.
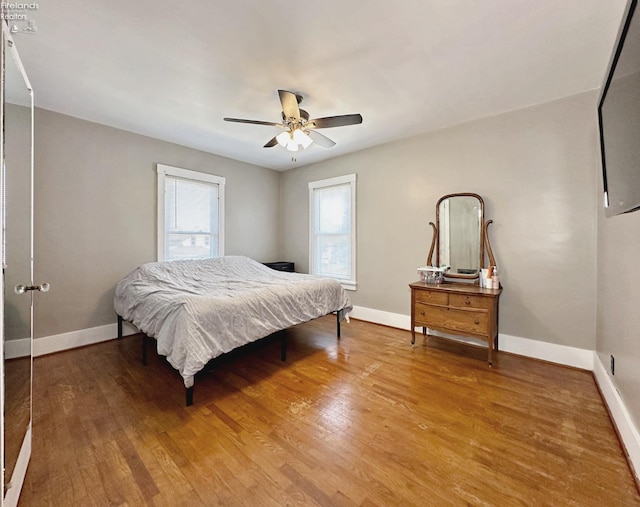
[619, 120]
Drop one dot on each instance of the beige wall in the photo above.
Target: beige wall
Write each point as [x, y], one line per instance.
[535, 168]
[618, 326]
[95, 213]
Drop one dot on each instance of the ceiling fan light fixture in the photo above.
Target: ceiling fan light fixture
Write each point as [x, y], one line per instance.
[283, 138]
[299, 137]
[293, 139]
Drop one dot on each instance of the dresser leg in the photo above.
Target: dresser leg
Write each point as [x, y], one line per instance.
[413, 337]
[490, 353]
[493, 346]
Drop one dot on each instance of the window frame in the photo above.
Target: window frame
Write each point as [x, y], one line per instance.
[350, 180]
[165, 171]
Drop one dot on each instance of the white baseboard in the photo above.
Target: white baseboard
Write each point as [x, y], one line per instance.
[80, 338]
[621, 418]
[552, 352]
[396, 320]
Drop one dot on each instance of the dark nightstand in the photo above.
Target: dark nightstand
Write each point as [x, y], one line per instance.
[281, 266]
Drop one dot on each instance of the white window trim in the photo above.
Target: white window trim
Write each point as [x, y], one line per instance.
[331, 182]
[187, 174]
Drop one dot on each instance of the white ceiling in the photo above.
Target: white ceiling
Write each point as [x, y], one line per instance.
[172, 70]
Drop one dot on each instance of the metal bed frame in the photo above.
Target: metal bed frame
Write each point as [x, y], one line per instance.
[189, 390]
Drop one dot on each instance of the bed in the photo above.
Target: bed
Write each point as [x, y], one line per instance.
[198, 310]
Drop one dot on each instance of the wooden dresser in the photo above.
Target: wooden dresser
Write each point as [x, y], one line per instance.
[456, 308]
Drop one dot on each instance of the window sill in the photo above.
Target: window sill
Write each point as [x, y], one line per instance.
[348, 285]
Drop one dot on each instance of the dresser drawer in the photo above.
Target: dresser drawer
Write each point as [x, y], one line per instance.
[431, 297]
[424, 314]
[450, 319]
[467, 301]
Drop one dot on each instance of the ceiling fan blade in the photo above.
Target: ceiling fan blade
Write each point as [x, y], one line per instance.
[271, 143]
[289, 103]
[336, 121]
[254, 122]
[320, 139]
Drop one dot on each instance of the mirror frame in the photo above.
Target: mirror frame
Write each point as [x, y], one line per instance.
[484, 238]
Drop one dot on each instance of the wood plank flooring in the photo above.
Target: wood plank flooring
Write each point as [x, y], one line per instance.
[364, 421]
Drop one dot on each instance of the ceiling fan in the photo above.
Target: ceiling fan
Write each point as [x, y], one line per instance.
[300, 131]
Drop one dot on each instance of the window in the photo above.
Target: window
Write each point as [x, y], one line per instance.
[190, 214]
[332, 229]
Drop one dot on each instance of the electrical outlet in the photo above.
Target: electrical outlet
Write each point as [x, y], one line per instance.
[613, 365]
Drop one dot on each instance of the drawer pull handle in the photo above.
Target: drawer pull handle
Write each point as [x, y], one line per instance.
[467, 302]
[422, 312]
[477, 321]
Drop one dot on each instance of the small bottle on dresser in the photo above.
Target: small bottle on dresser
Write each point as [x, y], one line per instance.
[490, 278]
[495, 280]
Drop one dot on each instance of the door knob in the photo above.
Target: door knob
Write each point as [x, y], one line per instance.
[21, 289]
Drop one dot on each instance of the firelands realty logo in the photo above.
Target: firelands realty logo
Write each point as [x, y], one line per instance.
[17, 16]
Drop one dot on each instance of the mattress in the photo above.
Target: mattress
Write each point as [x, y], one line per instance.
[200, 309]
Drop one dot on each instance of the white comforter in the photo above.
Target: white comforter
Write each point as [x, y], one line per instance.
[200, 309]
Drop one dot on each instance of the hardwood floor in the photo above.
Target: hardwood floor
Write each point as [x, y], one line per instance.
[367, 421]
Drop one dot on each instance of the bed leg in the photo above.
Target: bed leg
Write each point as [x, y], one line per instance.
[338, 319]
[119, 327]
[283, 346]
[189, 396]
[145, 338]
